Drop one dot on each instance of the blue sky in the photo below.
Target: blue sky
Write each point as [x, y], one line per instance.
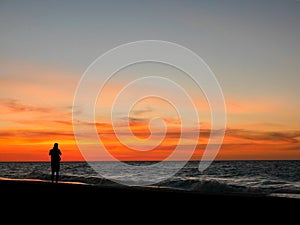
[252, 46]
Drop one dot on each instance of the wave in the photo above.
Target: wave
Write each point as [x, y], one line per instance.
[208, 185]
[204, 186]
[215, 180]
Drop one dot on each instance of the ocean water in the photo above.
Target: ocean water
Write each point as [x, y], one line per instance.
[280, 178]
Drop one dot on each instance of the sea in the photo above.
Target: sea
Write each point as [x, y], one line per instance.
[276, 178]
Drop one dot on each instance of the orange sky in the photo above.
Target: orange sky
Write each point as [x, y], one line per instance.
[36, 113]
[251, 47]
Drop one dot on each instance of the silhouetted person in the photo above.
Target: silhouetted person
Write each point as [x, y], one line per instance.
[55, 154]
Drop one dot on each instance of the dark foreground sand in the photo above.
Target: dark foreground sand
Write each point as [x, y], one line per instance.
[34, 197]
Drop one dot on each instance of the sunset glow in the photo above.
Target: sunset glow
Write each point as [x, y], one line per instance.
[259, 80]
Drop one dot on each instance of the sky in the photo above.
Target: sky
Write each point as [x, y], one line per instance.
[252, 48]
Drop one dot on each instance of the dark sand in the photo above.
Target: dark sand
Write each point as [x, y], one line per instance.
[82, 200]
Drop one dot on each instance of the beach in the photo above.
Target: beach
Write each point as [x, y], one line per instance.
[225, 191]
[31, 196]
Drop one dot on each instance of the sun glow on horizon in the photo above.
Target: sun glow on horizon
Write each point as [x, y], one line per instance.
[252, 50]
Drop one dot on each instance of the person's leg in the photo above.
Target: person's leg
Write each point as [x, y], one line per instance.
[57, 176]
[52, 175]
[57, 171]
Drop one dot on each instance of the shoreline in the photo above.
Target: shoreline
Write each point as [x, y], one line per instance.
[32, 197]
[30, 188]
[19, 185]
[153, 188]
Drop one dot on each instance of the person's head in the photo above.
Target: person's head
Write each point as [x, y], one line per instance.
[55, 145]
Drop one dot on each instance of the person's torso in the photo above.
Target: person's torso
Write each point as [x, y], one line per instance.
[55, 155]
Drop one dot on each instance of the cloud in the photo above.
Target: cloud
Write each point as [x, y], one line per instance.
[30, 136]
[284, 136]
[295, 147]
[15, 105]
[137, 121]
[142, 111]
[64, 122]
